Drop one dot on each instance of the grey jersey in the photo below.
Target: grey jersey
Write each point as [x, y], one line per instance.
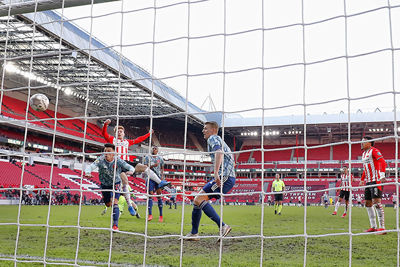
[106, 169]
[215, 143]
[151, 160]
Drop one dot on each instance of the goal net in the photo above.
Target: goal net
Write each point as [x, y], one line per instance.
[295, 86]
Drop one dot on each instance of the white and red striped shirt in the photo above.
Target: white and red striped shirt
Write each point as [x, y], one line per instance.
[374, 165]
[345, 181]
[122, 145]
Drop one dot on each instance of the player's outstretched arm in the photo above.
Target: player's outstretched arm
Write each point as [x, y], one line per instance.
[106, 136]
[140, 138]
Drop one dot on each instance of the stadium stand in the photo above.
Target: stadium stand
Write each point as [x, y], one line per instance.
[16, 109]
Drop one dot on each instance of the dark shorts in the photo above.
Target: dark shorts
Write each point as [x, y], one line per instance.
[172, 199]
[153, 186]
[212, 187]
[278, 197]
[107, 195]
[373, 192]
[344, 194]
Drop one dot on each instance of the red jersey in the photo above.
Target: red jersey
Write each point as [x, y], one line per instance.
[374, 165]
[345, 181]
[122, 145]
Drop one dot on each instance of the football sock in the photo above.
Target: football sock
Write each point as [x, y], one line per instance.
[127, 195]
[196, 216]
[337, 206]
[115, 214]
[160, 206]
[210, 212]
[381, 215]
[371, 215]
[279, 208]
[346, 206]
[152, 175]
[150, 206]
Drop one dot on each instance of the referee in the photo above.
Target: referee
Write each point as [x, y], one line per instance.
[278, 186]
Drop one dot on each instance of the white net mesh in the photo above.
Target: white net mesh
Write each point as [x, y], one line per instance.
[295, 84]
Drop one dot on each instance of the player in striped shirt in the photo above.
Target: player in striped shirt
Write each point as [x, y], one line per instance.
[122, 146]
[373, 174]
[345, 179]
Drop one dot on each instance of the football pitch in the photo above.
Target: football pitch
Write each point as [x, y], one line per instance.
[128, 249]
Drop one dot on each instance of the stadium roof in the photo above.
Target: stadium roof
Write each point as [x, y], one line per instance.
[67, 58]
[342, 118]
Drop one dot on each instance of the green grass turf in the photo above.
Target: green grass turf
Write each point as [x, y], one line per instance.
[368, 250]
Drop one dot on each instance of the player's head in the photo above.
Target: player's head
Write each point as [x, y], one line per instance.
[109, 150]
[120, 131]
[154, 150]
[277, 176]
[345, 169]
[210, 128]
[366, 144]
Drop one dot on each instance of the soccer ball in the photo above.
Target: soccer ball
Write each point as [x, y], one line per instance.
[39, 102]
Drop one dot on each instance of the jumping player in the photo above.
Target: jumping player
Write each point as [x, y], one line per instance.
[345, 179]
[106, 163]
[373, 174]
[224, 178]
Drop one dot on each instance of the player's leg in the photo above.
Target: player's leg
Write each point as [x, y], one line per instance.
[121, 204]
[280, 199]
[115, 213]
[152, 176]
[279, 207]
[104, 210]
[377, 203]
[152, 187]
[126, 193]
[276, 203]
[346, 207]
[201, 202]
[337, 205]
[175, 202]
[346, 200]
[170, 203]
[115, 196]
[197, 211]
[134, 205]
[370, 209]
[160, 205]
